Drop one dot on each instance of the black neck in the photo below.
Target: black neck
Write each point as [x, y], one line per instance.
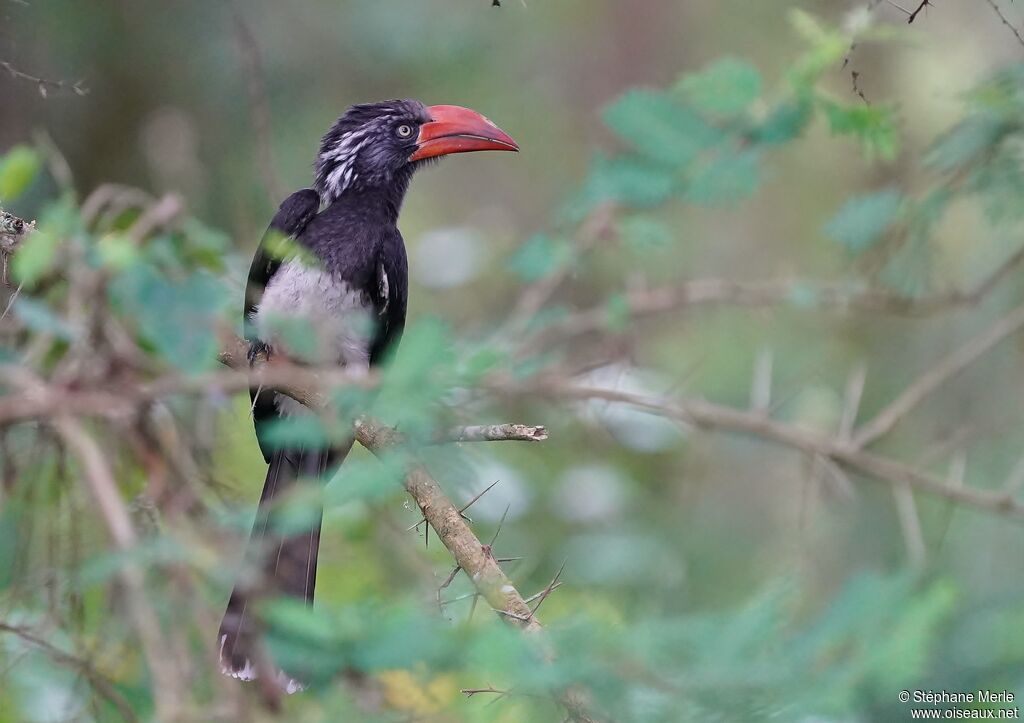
[385, 200]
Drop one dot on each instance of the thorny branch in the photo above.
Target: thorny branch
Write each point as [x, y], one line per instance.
[1002, 18]
[45, 86]
[921, 6]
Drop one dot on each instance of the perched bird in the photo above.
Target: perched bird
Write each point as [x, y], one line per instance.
[343, 277]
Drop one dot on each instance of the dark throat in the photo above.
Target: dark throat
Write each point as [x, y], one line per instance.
[381, 203]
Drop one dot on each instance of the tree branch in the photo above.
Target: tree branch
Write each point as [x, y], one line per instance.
[794, 292]
[701, 413]
[45, 86]
[167, 690]
[937, 376]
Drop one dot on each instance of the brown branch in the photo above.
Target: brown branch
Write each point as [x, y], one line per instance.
[309, 385]
[45, 86]
[471, 556]
[168, 691]
[794, 292]
[446, 519]
[595, 228]
[496, 433]
[700, 413]
[937, 376]
[921, 6]
[1002, 18]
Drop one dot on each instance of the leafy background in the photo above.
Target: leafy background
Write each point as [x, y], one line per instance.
[707, 576]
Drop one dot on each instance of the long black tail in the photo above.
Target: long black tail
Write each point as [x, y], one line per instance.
[287, 563]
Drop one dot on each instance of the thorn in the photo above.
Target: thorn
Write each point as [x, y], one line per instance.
[547, 591]
[470, 692]
[469, 504]
[410, 528]
[460, 598]
[514, 616]
[446, 583]
[537, 595]
[500, 523]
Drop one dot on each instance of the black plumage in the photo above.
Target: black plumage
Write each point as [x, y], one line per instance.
[333, 256]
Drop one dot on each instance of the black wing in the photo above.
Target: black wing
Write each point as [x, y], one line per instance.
[291, 218]
[391, 295]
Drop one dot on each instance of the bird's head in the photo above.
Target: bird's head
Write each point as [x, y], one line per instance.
[379, 145]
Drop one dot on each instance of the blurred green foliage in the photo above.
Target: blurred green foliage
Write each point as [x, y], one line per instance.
[707, 578]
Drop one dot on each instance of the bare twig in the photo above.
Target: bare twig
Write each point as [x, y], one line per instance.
[1002, 18]
[700, 413]
[470, 692]
[495, 433]
[921, 6]
[593, 230]
[551, 587]
[793, 292]
[44, 86]
[937, 376]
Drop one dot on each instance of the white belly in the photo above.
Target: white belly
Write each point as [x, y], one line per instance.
[310, 314]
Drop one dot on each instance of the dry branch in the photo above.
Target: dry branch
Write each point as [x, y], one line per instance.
[700, 413]
[794, 292]
[169, 692]
[937, 376]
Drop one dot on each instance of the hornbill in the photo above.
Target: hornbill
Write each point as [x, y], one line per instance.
[342, 273]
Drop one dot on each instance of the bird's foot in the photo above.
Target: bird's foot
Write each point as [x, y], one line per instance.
[259, 351]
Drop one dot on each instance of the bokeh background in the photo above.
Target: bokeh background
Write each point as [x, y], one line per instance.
[773, 572]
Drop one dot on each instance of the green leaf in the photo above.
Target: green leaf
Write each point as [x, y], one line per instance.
[644, 234]
[730, 177]
[659, 128]
[117, 252]
[726, 87]
[39, 317]
[176, 317]
[784, 123]
[18, 168]
[827, 48]
[540, 256]
[863, 220]
[966, 142]
[35, 257]
[872, 125]
[618, 312]
[294, 431]
[629, 180]
[365, 479]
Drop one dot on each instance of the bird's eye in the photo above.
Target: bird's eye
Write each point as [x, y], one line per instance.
[404, 130]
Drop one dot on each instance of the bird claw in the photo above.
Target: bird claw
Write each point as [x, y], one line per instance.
[259, 350]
